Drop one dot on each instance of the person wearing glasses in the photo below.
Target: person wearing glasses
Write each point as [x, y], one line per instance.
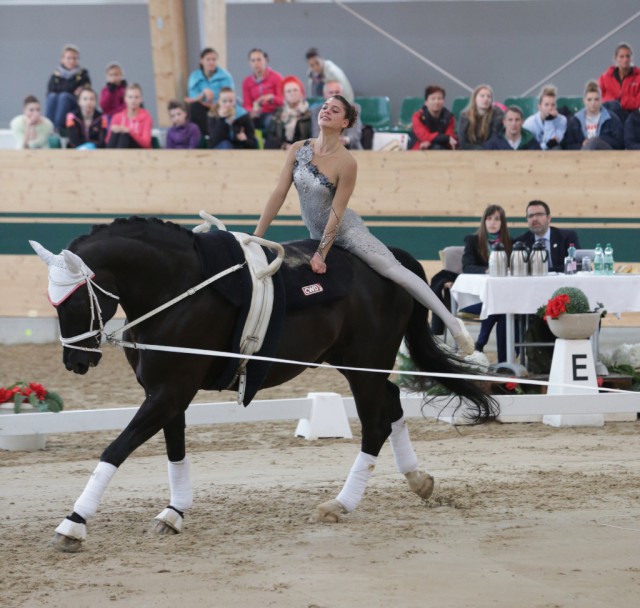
[556, 240]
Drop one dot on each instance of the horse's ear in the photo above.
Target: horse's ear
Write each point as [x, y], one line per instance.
[44, 254]
[72, 261]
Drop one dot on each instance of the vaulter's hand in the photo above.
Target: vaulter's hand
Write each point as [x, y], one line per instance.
[317, 264]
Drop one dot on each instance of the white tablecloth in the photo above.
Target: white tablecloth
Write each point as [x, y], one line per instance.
[524, 295]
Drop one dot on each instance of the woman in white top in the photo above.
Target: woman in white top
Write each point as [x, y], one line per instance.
[31, 129]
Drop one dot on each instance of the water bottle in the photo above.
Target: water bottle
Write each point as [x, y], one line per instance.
[571, 254]
[608, 259]
[598, 260]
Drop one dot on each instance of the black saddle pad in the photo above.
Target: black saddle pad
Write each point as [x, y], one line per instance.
[303, 287]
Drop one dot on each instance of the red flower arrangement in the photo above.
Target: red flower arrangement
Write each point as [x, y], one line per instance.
[35, 394]
[556, 306]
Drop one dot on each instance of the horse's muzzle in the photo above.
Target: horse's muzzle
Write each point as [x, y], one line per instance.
[78, 361]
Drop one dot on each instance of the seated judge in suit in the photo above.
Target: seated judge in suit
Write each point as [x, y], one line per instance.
[557, 240]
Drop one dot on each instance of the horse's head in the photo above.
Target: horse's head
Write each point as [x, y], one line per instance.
[83, 307]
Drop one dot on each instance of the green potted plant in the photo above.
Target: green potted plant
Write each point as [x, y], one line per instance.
[569, 316]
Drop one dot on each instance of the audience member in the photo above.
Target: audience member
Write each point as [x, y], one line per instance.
[262, 91]
[182, 134]
[131, 128]
[594, 127]
[86, 126]
[547, 125]
[292, 121]
[480, 120]
[350, 138]
[204, 85]
[620, 84]
[31, 129]
[514, 136]
[321, 71]
[64, 86]
[632, 131]
[475, 260]
[230, 126]
[433, 127]
[556, 240]
[112, 94]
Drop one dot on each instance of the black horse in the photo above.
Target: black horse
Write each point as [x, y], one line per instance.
[143, 263]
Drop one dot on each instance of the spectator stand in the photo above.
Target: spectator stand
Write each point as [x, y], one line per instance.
[528, 105]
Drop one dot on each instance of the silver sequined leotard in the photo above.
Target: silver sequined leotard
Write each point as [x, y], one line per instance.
[316, 193]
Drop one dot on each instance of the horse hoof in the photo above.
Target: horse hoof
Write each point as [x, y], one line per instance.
[160, 527]
[421, 483]
[328, 512]
[63, 543]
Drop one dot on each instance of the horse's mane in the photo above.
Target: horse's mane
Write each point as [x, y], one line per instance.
[134, 227]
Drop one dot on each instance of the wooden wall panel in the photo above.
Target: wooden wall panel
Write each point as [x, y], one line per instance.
[575, 184]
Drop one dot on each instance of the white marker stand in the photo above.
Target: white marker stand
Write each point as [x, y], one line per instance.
[328, 418]
[572, 364]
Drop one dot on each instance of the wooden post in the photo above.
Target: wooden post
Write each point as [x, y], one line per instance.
[168, 45]
[214, 15]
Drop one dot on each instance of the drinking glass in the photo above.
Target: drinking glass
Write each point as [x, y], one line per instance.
[586, 264]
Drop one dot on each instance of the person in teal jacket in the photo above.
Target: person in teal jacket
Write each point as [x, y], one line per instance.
[204, 87]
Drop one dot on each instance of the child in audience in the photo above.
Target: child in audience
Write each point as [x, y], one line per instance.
[31, 129]
[65, 85]
[86, 126]
[183, 134]
[112, 94]
[480, 120]
[547, 125]
[594, 127]
[131, 128]
[231, 126]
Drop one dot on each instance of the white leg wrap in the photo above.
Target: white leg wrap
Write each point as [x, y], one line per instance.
[353, 490]
[71, 529]
[87, 505]
[406, 459]
[180, 484]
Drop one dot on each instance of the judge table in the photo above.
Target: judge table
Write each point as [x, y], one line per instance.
[513, 296]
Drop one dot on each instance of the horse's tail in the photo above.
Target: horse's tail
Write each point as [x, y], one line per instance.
[429, 356]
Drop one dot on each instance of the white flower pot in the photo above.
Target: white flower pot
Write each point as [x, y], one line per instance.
[574, 327]
[25, 443]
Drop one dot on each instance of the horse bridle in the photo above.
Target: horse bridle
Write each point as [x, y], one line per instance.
[96, 312]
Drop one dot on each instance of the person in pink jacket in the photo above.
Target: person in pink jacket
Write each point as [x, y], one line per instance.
[131, 128]
[262, 91]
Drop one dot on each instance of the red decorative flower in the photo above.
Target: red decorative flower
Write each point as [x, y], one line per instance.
[511, 386]
[600, 381]
[556, 306]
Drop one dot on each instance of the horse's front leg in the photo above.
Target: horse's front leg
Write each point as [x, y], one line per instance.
[170, 520]
[154, 414]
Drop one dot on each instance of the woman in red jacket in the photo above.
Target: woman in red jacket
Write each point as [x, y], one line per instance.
[620, 84]
[131, 128]
[433, 126]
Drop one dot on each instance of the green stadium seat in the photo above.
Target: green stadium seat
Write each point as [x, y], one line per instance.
[55, 141]
[314, 101]
[528, 105]
[376, 112]
[459, 104]
[573, 104]
[259, 138]
[410, 105]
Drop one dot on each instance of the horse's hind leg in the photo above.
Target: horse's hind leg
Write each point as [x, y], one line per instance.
[170, 520]
[406, 460]
[381, 418]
